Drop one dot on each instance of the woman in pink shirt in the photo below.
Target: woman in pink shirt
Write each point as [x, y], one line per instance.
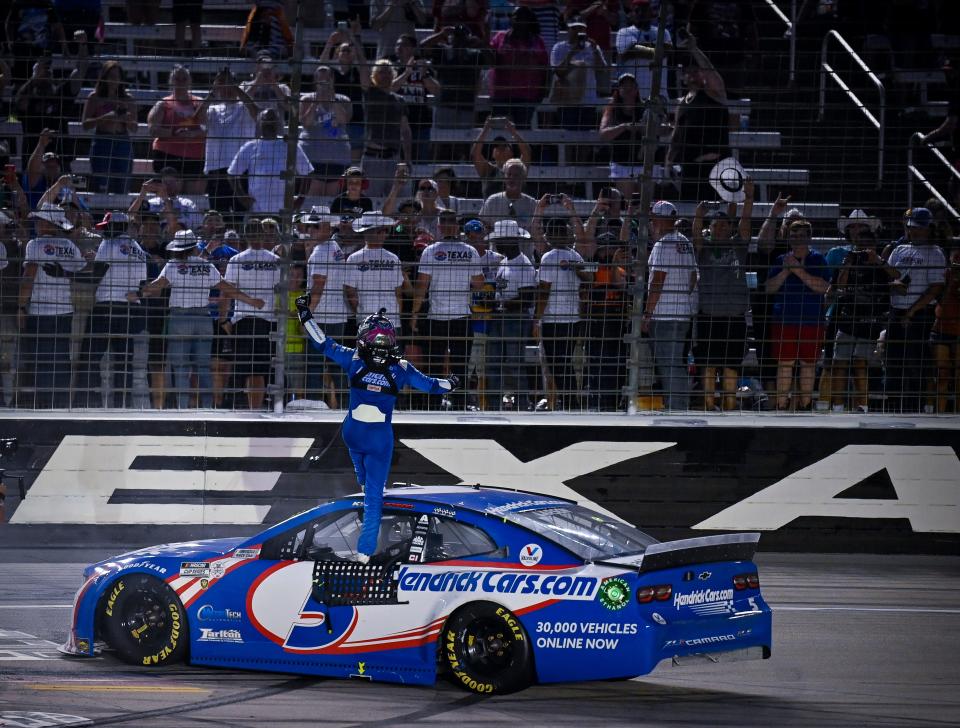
[178, 138]
[518, 81]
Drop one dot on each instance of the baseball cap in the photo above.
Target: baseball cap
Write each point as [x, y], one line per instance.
[918, 217]
[231, 236]
[50, 156]
[662, 208]
[114, 217]
[576, 22]
[473, 226]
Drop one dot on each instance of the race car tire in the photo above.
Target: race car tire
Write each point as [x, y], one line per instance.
[144, 621]
[487, 649]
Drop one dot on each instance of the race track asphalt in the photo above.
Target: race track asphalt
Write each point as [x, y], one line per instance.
[858, 640]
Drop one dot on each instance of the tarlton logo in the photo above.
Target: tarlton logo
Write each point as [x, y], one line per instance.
[220, 635]
[208, 613]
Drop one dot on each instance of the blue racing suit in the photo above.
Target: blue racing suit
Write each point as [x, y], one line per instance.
[367, 429]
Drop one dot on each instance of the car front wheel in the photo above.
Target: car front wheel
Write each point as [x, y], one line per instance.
[487, 649]
[144, 621]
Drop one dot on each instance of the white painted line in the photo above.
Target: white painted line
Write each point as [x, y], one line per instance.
[36, 606]
[912, 610]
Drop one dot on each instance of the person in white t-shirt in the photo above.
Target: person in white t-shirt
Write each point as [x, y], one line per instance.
[189, 333]
[256, 272]
[326, 277]
[449, 271]
[556, 320]
[263, 161]
[120, 268]
[635, 45]
[229, 115]
[671, 304]
[45, 309]
[375, 278]
[511, 324]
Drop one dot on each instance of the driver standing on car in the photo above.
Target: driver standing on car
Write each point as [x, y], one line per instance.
[376, 374]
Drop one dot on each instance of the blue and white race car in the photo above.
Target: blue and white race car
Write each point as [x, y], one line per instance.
[496, 588]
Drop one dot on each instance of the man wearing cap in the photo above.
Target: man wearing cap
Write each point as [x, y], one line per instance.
[326, 276]
[449, 272]
[671, 304]
[922, 268]
[375, 278]
[119, 268]
[189, 334]
[43, 169]
[263, 161]
[256, 272]
[721, 331]
[577, 62]
[511, 324]
[635, 48]
[46, 310]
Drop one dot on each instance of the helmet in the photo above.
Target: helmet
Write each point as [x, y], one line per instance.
[377, 339]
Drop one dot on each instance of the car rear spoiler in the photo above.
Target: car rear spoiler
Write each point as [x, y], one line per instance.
[700, 550]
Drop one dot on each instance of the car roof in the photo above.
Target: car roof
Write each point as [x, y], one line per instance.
[496, 501]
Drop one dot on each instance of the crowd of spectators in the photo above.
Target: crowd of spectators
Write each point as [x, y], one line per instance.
[183, 295]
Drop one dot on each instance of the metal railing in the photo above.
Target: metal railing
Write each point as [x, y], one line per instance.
[913, 173]
[790, 33]
[878, 120]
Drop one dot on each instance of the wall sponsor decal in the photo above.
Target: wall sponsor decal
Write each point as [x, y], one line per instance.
[862, 489]
[926, 481]
[83, 474]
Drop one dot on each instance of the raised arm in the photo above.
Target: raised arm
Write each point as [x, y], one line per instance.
[746, 213]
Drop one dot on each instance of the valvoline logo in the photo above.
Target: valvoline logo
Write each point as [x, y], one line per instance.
[531, 554]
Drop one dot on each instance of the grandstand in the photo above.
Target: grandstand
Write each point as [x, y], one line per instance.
[734, 297]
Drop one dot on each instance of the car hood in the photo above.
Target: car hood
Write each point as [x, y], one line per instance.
[192, 550]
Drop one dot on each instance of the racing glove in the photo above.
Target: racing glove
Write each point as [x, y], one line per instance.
[454, 382]
[303, 308]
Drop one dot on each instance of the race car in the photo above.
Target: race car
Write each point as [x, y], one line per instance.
[497, 589]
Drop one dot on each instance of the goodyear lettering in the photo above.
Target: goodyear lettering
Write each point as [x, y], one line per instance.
[146, 565]
[582, 588]
[168, 648]
[702, 596]
[112, 599]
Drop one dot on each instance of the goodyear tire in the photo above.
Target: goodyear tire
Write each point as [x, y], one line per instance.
[487, 649]
[144, 621]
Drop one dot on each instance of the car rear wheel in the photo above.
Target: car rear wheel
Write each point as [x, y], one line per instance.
[487, 649]
[144, 621]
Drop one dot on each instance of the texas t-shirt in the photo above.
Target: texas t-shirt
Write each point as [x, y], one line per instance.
[128, 267]
[558, 267]
[376, 274]
[328, 260]
[256, 273]
[190, 281]
[50, 295]
[450, 264]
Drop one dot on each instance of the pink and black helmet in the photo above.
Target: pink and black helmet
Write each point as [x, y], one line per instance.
[377, 338]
